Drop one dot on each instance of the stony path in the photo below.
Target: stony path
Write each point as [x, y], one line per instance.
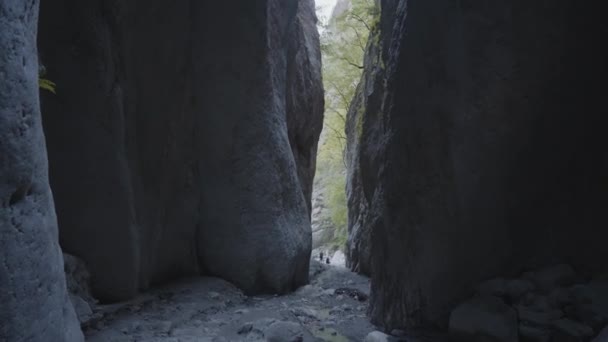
[210, 309]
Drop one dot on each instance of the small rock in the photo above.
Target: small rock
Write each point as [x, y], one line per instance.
[541, 303]
[398, 332]
[82, 308]
[553, 277]
[286, 332]
[213, 295]
[538, 318]
[377, 336]
[560, 297]
[340, 297]
[517, 288]
[533, 334]
[245, 329]
[602, 337]
[587, 313]
[165, 326]
[483, 316]
[569, 330]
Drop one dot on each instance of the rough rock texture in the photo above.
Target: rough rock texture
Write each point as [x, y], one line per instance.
[33, 296]
[480, 151]
[169, 139]
[360, 218]
[483, 318]
[305, 100]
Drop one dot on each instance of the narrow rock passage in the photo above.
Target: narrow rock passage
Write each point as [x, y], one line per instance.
[331, 308]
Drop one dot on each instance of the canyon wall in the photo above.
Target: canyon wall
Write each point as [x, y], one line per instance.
[476, 148]
[33, 296]
[182, 139]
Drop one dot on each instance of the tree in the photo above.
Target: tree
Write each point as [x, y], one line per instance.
[343, 44]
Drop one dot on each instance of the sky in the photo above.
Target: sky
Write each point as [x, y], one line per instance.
[324, 9]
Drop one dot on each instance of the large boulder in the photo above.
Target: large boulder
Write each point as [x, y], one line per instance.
[169, 139]
[483, 319]
[34, 301]
[479, 151]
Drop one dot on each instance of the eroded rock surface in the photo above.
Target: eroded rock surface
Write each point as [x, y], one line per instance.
[472, 155]
[560, 305]
[34, 302]
[182, 139]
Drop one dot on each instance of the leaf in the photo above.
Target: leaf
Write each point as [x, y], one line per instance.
[46, 84]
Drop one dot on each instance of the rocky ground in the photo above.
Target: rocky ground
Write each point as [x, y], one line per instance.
[554, 304]
[331, 308]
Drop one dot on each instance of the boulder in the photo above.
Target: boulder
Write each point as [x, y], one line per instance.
[34, 300]
[566, 330]
[377, 336]
[550, 278]
[183, 140]
[515, 289]
[602, 337]
[529, 333]
[483, 319]
[464, 158]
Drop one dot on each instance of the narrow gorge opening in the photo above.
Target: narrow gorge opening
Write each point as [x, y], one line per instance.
[344, 27]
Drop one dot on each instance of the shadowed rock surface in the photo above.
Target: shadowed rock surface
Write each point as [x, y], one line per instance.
[169, 139]
[34, 303]
[478, 151]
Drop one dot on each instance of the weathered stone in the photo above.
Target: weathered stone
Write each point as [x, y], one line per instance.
[517, 288]
[537, 318]
[602, 337]
[483, 318]
[34, 302]
[553, 277]
[465, 154]
[377, 336]
[566, 330]
[529, 333]
[82, 308]
[183, 140]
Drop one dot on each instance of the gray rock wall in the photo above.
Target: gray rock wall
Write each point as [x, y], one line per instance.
[34, 302]
[305, 101]
[481, 149]
[169, 139]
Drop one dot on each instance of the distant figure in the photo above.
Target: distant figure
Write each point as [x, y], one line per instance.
[321, 256]
[327, 261]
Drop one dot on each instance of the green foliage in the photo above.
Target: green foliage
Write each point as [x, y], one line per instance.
[343, 45]
[45, 83]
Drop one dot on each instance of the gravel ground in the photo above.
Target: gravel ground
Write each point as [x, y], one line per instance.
[331, 308]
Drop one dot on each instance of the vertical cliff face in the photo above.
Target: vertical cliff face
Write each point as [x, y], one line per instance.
[35, 304]
[304, 95]
[476, 150]
[182, 139]
[367, 99]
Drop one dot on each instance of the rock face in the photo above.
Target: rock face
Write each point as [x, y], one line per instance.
[35, 304]
[305, 100]
[361, 218]
[180, 139]
[477, 152]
